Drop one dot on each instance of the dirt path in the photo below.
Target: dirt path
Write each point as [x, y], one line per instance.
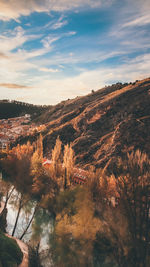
[24, 248]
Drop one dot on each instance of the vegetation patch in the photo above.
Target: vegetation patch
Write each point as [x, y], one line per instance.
[10, 253]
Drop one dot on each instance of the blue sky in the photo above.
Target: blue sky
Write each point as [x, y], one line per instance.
[52, 50]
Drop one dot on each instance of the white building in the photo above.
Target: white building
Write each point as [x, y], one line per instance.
[3, 143]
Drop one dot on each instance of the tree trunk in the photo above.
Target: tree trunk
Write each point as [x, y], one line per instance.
[65, 180]
[19, 209]
[8, 197]
[26, 229]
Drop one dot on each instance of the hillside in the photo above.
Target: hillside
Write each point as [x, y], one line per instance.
[102, 125]
[11, 109]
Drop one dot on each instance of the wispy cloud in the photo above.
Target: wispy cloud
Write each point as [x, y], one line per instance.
[13, 9]
[13, 86]
[15, 38]
[58, 57]
[61, 22]
[51, 91]
[48, 40]
[12, 40]
[44, 69]
[138, 21]
[130, 28]
[2, 55]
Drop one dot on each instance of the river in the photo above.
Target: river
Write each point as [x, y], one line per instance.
[46, 229]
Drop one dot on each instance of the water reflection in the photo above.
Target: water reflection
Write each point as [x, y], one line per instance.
[42, 221]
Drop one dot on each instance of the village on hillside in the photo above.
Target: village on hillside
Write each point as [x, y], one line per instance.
[11, 129]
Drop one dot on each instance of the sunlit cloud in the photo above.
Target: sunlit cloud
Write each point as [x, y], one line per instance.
[49, 70]
[2, 55]
[13, 86]
[12, 40]
[60, 55]
[13, 9]
[51, 91]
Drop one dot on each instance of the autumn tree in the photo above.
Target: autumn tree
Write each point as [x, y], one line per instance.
[39, 145]
[68, 164]
[56, 165]
[6, 191]
[75, 228]
[133, 188]
[123, 204]
[17, 171]
[44, 187]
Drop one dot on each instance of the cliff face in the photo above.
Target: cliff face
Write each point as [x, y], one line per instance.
[104, 124]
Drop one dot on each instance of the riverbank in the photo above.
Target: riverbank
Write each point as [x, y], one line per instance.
[22, 245]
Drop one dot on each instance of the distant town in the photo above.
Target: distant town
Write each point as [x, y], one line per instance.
[11, 129]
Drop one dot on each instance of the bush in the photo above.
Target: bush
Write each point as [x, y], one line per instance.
[10, 254]
[34, 259]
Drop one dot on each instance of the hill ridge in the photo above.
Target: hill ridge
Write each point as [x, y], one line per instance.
[102, 125]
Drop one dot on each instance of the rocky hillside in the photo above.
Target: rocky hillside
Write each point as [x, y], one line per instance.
[102, 125]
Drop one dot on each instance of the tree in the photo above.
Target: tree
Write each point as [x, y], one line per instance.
[17, 170]
[123, 208]
[6, 190]
[75, 228]
[44, 187]
[40, 145]
[133, 187]
[68, 164]
[56, 166]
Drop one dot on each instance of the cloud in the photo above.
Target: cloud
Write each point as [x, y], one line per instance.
[130, 27]
[59, 24]
[12, 40]
[19, 64]
[139, 21]
[48, 40]
[80, 57]
[39, 64]
[13, 86]
[52, 91]
[2, 55]
[49, 70]
[49, 90]
[13, 9]
[15, 38]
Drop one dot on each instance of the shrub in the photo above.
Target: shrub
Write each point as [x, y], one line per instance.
[10, 254]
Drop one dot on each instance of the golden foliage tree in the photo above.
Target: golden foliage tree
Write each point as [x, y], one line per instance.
[68, 164]
[40, 145]
[76, 228]
[56, 159]
[123, 205]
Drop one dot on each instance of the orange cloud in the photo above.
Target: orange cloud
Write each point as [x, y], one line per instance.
[2, 55]
[14, 86]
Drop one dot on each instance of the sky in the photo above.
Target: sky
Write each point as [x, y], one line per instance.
[52, 50]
